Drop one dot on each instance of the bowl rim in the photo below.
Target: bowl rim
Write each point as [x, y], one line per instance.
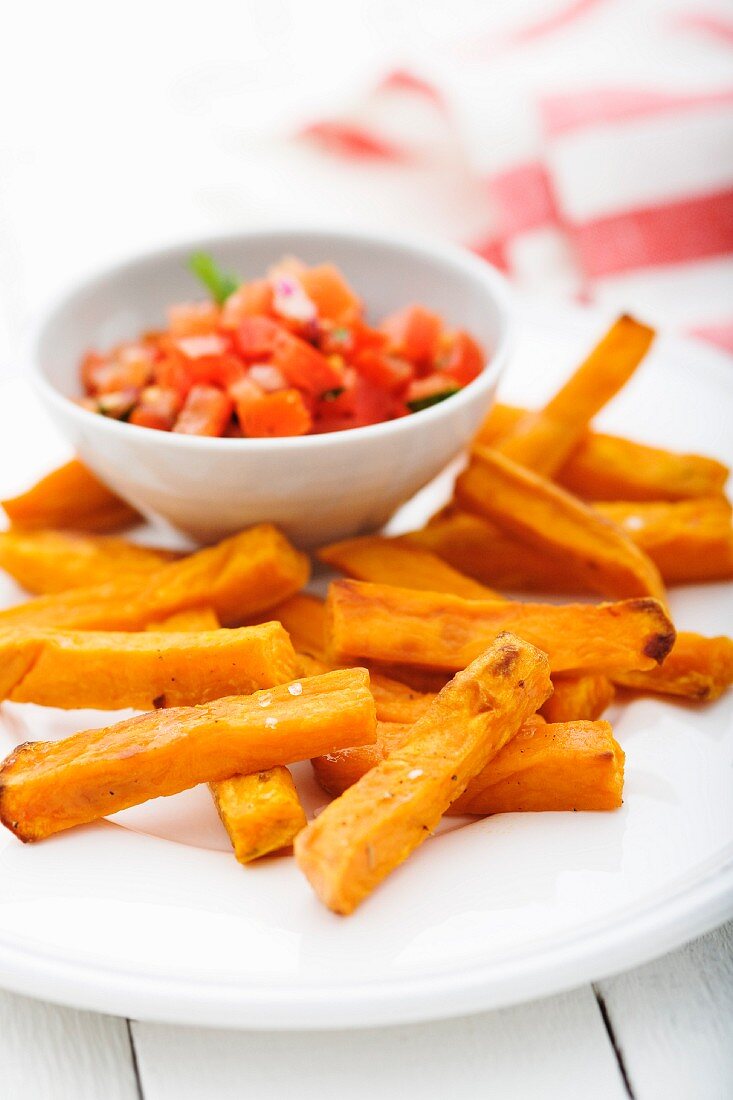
[424, 248]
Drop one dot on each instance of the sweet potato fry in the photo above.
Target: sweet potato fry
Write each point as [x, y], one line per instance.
[395, 701]
[70, 497]
[698, 668]
[396, 561]
[578, 698]
[431, 630]
[545, 439]
[499, 424]
[375, 825]
[336, 771]
[563, 766]
[304, 618]
[688, 540]
[481, 550]
[198, 618]
[48, 786]
[398, 702]
[239, 577]
[609, 467]
[575, 765]
[535, 511]
[261, 812]
[55, 561]
[110, 671]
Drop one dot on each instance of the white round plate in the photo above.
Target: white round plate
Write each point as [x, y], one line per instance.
[150, 916]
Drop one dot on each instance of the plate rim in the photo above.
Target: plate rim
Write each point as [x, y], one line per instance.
[687, 912]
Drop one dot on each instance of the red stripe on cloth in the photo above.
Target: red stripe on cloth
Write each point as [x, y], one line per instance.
[523, 198]
[491, 44]
[720, 335]
[563, 113]
[491, 249]
[354, 142]
[689, 229]
[401, 80]
[553, 22]
[709, 23]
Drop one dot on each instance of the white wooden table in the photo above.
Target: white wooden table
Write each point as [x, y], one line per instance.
[664, 1030]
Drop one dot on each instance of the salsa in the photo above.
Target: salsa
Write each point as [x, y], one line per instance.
[288, 354]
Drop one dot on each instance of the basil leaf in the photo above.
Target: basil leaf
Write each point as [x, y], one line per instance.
[218, 283]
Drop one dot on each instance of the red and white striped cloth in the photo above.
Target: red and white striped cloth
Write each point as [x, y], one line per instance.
[589, 153]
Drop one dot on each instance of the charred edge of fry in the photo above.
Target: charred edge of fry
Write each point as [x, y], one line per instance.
[657, 646]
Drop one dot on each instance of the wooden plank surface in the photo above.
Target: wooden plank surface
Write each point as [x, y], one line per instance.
[53, 1053]
[672, 1021]
[549, 1049]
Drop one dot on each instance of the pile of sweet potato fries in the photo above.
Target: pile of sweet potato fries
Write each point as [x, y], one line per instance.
[418, 688]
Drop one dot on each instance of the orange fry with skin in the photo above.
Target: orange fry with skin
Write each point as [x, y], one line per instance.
[436, 631]
[545, 439]
[698, 668]
[49, 786]
[574, 765]
[237, 578]
[114, 670]
[398, 562]
[70, 497]
[374, 826]
[539, 513]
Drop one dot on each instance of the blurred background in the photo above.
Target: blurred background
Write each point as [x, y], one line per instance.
[585, 146]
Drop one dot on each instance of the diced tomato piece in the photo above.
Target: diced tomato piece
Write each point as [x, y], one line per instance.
[464, 359]
[244, 391]
[333, 339]
[158, 408]
[249, 300]
[268, 377]
[276, 414]
[206, 411]
[210, 346]
[427, 391]
[129, 367]
[414, 333]
[172, 372]
[91, 365]
[257, 337]
[386, 371]
[366, 338]
[193, 318]
[305, 368]
[332, 295]
[358, 405]
[207, 360]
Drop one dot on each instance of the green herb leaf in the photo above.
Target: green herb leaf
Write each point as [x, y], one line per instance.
[421, 403]
[218, 283]
[331, 395]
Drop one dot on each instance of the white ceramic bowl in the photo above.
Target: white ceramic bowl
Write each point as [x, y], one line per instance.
[316, 488]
